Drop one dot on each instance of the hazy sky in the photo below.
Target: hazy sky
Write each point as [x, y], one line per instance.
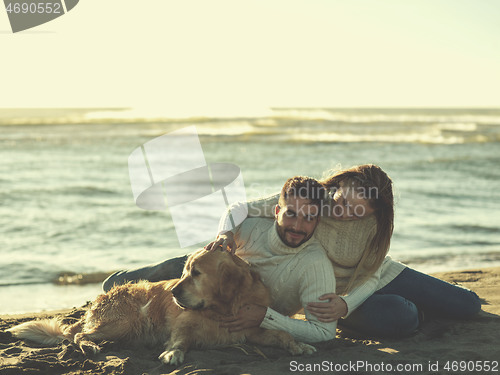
[209, 56]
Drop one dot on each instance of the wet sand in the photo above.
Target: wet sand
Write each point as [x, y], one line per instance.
[439, 347]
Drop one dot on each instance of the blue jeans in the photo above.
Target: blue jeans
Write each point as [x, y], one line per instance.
[393, 311]
[166, 270]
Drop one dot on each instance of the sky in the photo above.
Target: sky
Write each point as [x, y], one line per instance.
[198, 56]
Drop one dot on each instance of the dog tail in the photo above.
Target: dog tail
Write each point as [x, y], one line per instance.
[46, 332]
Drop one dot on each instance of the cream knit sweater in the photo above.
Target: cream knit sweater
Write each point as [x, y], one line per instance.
[295, 277]
[344, 242]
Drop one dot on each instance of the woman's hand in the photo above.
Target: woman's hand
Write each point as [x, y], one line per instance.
[249, 316]
[330, 311]
[224, 240]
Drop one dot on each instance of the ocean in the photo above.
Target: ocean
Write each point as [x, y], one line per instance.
[68, 216]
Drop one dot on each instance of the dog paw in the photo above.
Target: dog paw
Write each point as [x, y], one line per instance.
[172, 357]
[300, 348]
[306, 348]
[89, 348]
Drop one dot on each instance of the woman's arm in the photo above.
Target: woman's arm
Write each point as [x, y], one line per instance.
[263, 207]
[239, 211]
[359, 294]
[342, 306]
[360, 234]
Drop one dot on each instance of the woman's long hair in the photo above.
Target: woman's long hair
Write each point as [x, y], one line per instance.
[370, 178]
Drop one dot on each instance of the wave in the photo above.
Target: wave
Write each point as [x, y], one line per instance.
[323, 131]
[93, 191]
[58, 116]
[383, 115]
[47, 116]
[84, 190]
[395, 138]
[73, 278]
[34, 116]
[429, 126]
[41, 276]
[476, 229]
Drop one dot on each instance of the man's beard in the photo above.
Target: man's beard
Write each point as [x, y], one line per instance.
[283, 233]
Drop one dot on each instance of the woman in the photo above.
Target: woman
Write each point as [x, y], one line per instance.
[374, 294]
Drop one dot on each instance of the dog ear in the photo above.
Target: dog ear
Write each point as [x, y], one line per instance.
[231, 278]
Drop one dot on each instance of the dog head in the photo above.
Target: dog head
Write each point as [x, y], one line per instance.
[213, 280]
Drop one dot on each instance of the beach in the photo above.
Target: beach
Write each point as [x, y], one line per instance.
[127, 131]
[69, 218]
[440, 346]
[67, 204]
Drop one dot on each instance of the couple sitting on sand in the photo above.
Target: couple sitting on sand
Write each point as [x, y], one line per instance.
[327, 254]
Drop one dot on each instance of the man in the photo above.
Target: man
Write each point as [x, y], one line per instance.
[292, 265]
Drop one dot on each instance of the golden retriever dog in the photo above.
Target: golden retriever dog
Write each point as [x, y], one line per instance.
[181, 314]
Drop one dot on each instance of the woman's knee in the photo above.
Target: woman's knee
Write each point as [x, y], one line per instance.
[466, 305]
[404, 318]
[475, 305]
[434, 296]
[385, 316]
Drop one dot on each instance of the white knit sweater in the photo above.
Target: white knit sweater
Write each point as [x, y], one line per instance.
[295, 277]
[344, 242]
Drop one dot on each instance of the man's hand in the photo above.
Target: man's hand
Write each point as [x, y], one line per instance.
[330, 311]
[249, 316]
[224, 240]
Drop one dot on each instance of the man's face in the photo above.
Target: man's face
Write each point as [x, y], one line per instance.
[296, 221]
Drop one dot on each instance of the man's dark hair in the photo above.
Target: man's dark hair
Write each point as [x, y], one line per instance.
[304, 188]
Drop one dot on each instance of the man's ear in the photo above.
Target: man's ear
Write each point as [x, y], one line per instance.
[276, 210]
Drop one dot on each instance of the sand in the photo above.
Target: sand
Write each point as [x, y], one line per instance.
[439, 347]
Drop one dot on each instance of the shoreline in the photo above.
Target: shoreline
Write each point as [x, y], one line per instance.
[466, 277]
[438, 347]
[70, 290]
[88, 287]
